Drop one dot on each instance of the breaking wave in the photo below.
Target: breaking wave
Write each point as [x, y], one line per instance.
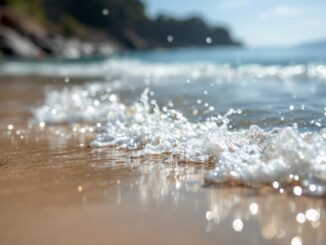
[284, 158]
[112, 68]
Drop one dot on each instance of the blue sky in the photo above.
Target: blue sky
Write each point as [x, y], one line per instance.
[256, 22]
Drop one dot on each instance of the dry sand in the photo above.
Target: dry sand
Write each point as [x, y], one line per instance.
[56, 189]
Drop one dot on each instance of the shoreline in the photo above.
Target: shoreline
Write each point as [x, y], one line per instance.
[56, 190]
[54, 194]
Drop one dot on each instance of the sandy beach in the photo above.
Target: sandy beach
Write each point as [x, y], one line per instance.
[138, 122]
[57, 189]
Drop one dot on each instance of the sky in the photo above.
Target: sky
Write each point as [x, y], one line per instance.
[255, 22]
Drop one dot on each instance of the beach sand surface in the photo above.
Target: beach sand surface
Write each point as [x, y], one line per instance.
[58, 189]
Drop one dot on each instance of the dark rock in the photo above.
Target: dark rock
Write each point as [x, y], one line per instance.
[23, 38]
[78, 28]
[36, 33]
[14, 44]
[76, 48]
[134, 41]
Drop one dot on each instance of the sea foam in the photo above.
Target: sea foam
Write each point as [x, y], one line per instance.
[282, 157]
[117, 67]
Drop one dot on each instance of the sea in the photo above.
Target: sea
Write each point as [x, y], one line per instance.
[257, 115]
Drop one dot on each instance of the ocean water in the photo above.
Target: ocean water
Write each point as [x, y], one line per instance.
[258, 115]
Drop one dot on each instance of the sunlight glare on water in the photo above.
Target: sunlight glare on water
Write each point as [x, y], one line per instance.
[259, 121]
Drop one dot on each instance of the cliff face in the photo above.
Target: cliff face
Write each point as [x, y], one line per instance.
[169, 32]
[75, 28]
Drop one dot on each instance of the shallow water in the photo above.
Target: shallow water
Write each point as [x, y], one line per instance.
[57, 190]
[256, 115]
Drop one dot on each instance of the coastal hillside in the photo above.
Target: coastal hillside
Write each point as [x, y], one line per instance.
[81, 28]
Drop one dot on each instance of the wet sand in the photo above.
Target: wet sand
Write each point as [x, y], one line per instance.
[57, 189]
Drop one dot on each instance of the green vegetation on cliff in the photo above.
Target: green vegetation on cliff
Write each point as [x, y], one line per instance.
[33, 8]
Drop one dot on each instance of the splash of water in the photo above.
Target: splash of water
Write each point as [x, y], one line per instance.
[281, 158]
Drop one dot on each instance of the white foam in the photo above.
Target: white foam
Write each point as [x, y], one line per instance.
[251, 157]
[92, 102]
[130, 68]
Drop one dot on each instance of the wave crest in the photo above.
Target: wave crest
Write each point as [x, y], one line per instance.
[252, 157]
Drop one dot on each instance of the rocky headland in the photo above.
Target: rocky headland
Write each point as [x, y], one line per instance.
[80, 28]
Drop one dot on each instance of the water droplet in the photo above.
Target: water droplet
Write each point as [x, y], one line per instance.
[209, 215]
[105, 12]
[301, 218]
[113, 98]
[170, 38]
[42, 124]
[297, 190]
[237, 225]
[296, 241]
[209, 40]
[254, 208]
[312, 188]
[276, 185]
[312, 215]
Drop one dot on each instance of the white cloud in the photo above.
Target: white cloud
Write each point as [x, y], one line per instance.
[286, 11]
[281, 11]
[233, 4]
